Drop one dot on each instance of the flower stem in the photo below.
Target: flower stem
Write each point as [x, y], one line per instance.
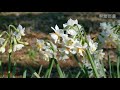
[79, 63]
[92, 64]
[59, 69]
[110, 67]
[48, 72]
[9, 65]
[118, 65]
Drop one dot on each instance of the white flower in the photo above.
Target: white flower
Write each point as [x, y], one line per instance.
[68, 45]
[2, 40]
[17, 35]
[2, 49]
[58, 33]
[70, 22]
[105, 26]
[17, 47]
[99, 55]
[71, 32]
[80, 48]
[21, 30]
[40, 44]
[92, 46]
[68, 42]
[54, 37]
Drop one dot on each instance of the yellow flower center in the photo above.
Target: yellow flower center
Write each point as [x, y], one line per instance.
[70, 42]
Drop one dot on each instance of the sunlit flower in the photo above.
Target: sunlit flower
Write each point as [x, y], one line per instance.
[58, 33]
[71, 32]
[70, 22]
[69, 44]
[21, 30]
[40, 44]
[80, 48]
[17, 47]
[92, 45]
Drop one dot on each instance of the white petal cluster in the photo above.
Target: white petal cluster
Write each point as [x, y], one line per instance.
[110, 31]
[12, 39]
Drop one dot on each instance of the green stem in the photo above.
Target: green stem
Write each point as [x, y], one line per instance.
[92, 64]
[79, 63]
[1, 69]
[118, 65]
[59, 69]
[102, 68]
[13, 28]
[9, 65]
[110, 68]
[48, 72]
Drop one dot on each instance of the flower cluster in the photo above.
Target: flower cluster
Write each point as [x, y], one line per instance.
[71, 40]
[110, 33]
[12, 38]
[67, 40]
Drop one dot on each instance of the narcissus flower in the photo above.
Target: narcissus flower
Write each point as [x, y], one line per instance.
[57, 35]
[80, 49]
[13, 39]
[40, 44]
[17, 47]
[70, 22]
[21, 30]
[92, 45]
